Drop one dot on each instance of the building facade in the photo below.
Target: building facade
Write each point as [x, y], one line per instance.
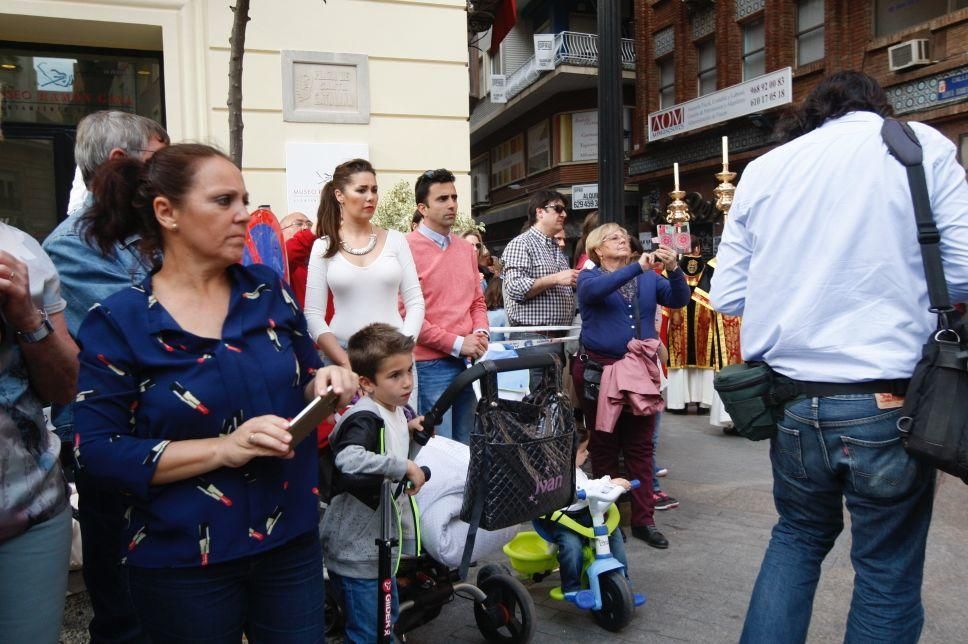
[696, 55]
[545, 136]
[388, 77]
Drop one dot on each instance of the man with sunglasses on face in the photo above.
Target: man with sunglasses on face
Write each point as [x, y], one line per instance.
[539, 283]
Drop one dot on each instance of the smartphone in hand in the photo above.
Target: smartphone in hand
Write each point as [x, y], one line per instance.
[319, 409]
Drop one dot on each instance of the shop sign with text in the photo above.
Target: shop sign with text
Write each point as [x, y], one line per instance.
[756, 95]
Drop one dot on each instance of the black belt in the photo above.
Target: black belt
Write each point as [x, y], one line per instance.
[897, 387]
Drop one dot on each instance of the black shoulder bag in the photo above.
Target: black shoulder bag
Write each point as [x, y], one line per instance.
[934, 418]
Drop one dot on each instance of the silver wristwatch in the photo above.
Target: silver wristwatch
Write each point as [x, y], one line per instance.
[38, 334]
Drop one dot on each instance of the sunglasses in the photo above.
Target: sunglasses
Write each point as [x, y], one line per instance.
[558, 208]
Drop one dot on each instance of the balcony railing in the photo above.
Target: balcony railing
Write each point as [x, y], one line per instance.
[571, 48]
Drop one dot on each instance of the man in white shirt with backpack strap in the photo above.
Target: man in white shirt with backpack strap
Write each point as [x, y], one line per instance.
[845, 318]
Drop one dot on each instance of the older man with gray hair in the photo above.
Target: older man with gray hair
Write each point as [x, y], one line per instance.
[87, 277]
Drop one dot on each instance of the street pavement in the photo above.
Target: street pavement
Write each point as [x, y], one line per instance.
[698, 589]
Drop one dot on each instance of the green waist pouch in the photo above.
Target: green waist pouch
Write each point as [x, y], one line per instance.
[754, 396]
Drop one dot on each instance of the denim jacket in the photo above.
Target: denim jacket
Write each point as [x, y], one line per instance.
[88, 277]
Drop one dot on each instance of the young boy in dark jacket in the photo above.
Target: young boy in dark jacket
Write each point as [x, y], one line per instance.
[371, 442]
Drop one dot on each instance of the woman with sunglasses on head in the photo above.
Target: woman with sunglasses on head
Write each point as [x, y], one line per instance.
[617, 299]
[186, 384]
[365, 267]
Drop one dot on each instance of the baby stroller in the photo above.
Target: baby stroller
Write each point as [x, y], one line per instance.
[521, 467]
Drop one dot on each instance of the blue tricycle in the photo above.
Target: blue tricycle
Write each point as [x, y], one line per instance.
[606, 591]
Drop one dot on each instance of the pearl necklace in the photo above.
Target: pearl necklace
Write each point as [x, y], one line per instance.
[360, 251]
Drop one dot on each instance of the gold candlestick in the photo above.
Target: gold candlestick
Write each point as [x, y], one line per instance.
[678, 211]
[724, 191]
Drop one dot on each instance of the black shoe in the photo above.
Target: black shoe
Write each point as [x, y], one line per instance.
[651, 535]
[730, 430]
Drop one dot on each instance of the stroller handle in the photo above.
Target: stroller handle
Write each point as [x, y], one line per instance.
[537, 361]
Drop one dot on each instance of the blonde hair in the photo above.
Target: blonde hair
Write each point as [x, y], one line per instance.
[597, 237]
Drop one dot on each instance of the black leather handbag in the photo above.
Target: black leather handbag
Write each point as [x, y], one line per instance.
[934, 417]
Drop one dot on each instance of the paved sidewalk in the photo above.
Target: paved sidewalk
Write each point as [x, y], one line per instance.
[698, 588]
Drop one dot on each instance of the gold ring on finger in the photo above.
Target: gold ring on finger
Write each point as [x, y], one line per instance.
[252, 438]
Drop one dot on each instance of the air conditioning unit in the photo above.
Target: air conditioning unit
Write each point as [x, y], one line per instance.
[910, 53]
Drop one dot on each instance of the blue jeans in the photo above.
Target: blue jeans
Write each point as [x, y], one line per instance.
[33, 581]
[433, 377]
[570, 556]
[825, 450]
[274, 597]
[357, 598]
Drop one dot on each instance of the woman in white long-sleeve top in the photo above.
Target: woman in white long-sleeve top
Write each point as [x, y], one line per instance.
[365, 267]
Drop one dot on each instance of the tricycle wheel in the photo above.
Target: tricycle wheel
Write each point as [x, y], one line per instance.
[617, 601]
[507, 615]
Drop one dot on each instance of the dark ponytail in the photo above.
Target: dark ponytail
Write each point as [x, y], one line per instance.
[329, 217]
[114, 215]
[124, 191]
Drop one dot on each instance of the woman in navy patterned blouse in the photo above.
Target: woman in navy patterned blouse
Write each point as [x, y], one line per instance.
[185, 387]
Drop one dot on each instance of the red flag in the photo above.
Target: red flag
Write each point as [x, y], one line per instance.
[507, 15]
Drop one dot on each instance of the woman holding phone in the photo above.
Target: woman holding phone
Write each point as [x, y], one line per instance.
[186, 385]
[617, 300]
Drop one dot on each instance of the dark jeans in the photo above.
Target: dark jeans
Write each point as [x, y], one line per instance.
[274, 597]
[101, 515]
[632, 438]
[571, 546]
[557, 349]
[828, 450]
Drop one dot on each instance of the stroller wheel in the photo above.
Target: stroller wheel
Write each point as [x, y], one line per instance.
[491, 569]
[507, 615]
[618, 603]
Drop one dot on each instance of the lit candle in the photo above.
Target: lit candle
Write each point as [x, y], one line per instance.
[725, 151]
[675, 175]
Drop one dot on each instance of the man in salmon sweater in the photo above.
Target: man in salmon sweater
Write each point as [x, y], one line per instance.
[455, 322]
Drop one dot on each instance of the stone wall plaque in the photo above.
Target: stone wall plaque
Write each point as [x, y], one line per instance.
[324, 87]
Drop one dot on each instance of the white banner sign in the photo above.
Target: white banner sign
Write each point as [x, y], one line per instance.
[584, 196]
[309, 166]
[499, 88]
[544, 52]
[584, 136]
[755, 95]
